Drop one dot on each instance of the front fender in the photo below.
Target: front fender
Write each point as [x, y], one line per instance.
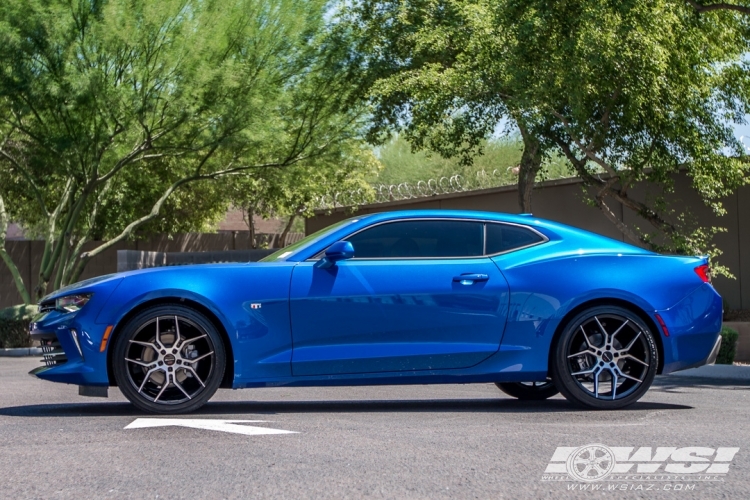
[114, 312]
[250, 301]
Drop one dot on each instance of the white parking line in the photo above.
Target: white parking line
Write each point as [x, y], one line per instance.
[208, 424]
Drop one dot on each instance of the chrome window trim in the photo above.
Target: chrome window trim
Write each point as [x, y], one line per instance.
[484, 255]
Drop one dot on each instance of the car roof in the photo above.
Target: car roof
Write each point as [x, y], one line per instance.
[552, 230]
[525, 219]
[549, 228]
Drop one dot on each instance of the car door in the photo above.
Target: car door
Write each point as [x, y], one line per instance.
[418, 295]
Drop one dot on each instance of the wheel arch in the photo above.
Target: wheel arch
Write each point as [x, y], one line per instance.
[635, 309]
[228, 379]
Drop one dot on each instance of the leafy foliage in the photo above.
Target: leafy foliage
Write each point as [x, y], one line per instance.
[728, 349]
[625, 91]
[118, 116]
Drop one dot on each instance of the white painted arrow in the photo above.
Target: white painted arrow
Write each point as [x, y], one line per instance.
[211, 425]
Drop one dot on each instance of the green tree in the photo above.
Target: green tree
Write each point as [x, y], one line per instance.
[114, 113]
[299, 190]
[636, 91]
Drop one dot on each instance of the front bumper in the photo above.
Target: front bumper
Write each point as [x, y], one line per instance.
[71, 349]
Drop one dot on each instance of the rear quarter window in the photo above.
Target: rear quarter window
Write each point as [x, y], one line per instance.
[506, 237]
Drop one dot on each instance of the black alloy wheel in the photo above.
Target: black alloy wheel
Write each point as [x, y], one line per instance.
[606, 358]
[529, 391]
[169, 359]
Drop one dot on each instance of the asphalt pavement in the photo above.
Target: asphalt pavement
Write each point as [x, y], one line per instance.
[439, 441]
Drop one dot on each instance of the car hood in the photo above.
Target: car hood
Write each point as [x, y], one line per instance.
[85, 285]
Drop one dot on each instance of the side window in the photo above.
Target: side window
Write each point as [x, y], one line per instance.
[419, 239]
[504, 237]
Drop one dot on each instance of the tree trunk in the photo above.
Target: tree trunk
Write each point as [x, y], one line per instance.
[247, 214]
[17, 278]
[531, 163]
[285, 232]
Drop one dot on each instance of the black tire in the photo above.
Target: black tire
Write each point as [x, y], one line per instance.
[528, 391]
[605, 370]
[176, 370]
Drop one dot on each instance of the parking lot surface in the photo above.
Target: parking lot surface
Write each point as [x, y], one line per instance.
[439, 441]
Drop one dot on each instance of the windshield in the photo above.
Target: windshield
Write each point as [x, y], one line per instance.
[286, 252]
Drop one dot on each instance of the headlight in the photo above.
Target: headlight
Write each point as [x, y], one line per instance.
[72, 303]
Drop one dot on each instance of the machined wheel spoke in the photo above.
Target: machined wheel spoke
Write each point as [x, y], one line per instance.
[604, 332]
[163, 388]
[630, 356]
[147, 377]
[179, 386]
[620, 328]
[189, 341]
[625, 375]
[139, 363]
[191, 361]
[587, 351]
[632, 342]
[177, 332]
[596, 384]
[190, 369]
[614, 385]
[145, 344]
[586, 337]
[158, 335]
[584, 372]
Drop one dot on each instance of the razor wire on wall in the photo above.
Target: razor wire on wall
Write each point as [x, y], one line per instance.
[383, 193]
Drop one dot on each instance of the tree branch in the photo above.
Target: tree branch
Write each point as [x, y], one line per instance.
[718, 6]
[585, 149]
[28, 177]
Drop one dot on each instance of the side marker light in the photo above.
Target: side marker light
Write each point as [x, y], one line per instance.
[105, 339]
[663, 325]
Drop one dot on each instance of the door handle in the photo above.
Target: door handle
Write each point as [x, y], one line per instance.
[470, 279]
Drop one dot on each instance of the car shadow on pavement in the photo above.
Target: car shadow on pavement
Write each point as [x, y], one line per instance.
[342, 406]
[677, 384]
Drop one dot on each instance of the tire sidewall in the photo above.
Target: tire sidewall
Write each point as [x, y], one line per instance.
[567, 384]
[119, 366]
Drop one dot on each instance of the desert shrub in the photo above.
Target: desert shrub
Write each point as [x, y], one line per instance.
[728, 346]
[14, 326]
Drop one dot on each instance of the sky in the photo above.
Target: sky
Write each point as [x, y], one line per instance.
[743, 133]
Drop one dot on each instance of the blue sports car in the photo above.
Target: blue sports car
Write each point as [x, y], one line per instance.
[414, 297]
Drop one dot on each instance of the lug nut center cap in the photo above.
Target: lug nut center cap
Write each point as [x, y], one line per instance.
[607, 357]
[169, 360]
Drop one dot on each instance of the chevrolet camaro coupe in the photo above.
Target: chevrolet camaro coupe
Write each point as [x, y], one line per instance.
[417, 297]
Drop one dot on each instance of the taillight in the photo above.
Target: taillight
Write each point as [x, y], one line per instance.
[704, 273]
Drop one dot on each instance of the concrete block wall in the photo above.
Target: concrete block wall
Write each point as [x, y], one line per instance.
[27, 255]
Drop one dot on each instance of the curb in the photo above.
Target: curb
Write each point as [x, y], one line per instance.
[20, 352]
[721, 372]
